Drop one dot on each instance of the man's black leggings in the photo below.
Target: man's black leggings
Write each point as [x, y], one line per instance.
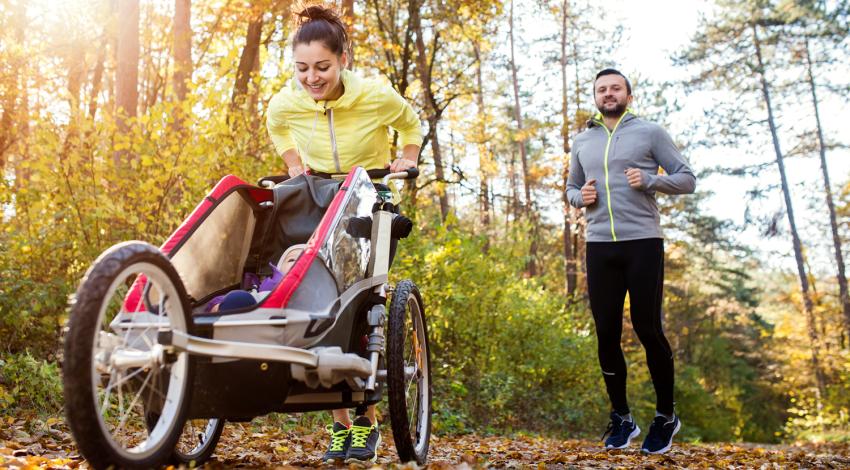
[636, 266]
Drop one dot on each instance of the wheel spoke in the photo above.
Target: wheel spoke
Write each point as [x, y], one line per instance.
[107, 392]
[133, 403]
[119, 383]
[158, 392]
[412, 410]
[120, 400]
[409, 384]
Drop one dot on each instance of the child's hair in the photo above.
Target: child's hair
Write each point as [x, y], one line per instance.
[321, 23]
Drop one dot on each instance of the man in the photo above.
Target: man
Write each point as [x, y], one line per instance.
[614, 176]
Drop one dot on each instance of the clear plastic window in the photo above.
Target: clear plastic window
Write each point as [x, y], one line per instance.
[347, 249]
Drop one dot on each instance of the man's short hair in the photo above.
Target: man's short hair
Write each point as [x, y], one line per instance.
[613, 72]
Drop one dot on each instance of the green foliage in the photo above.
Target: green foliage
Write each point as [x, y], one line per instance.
[29, 384]
[507, 353]
[106, 187]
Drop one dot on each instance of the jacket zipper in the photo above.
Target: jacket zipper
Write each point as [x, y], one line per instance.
[330, 113]
[607, 188]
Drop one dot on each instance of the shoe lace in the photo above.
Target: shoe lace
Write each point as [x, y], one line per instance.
[338, 438]
[656, 427]
[610, 430]
[359, 435]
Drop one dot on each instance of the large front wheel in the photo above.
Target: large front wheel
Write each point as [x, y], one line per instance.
[126, 394]
[409, 374]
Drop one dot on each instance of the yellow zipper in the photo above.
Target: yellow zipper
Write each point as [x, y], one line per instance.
[607, 188]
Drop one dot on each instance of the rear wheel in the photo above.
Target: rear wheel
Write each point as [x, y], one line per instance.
[198, 440]
[409, 374]
[125, 394]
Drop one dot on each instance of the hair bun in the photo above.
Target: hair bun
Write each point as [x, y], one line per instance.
[317, 12]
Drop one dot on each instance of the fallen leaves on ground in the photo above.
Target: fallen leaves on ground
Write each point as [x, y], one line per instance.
[30, 444]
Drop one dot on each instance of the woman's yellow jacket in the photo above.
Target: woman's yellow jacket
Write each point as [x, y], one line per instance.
[334, 136]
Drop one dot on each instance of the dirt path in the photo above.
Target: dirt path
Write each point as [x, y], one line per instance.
[252, 446]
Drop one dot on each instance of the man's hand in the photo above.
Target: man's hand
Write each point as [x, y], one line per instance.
[635, 178]
[588, 193]
[401, 164]
[295, 171]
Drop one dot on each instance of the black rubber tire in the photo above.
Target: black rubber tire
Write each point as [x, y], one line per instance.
[200, 454]
[78, 372]
[410, 447]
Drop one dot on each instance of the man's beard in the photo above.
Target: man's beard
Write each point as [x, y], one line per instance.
[617, 111]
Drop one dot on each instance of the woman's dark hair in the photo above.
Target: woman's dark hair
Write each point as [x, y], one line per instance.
[321, 23]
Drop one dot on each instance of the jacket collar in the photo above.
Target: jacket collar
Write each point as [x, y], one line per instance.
[597, 121]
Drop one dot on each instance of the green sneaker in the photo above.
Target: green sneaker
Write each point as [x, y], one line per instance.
[340, 441]
[365, 439]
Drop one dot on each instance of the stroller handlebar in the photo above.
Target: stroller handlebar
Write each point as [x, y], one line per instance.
[384, 173]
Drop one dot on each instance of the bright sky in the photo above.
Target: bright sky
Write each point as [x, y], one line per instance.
[655, 29]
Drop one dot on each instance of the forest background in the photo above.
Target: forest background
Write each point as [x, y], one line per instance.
[119, 115]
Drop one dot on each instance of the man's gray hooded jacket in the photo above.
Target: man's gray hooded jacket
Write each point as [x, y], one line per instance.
[620, 211]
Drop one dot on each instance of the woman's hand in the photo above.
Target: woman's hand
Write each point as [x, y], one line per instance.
[293, 163]
[401, 164]
[295, 171]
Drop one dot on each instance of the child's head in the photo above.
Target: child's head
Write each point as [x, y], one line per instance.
[290, 256]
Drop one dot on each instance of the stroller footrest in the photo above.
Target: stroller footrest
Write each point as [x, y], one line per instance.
[238, 350]
[333, 367]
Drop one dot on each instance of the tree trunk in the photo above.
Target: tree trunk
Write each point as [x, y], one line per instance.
[254, 111]
[14, 117]
[437, 153]
[531, 264]
[518, 116]
[808, 306]
[127, 73]
[348, 19]
[182, 48]
[569, 260]
[7, 124]
[483, 151]
[514, 208]
[22, 175]
[97, 81]
[76, 63]
[836, 240]
[249, 57]
[434, 112]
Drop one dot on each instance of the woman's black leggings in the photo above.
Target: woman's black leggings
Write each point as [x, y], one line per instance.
[636, 267]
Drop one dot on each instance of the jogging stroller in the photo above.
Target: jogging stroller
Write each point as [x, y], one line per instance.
[156, 359]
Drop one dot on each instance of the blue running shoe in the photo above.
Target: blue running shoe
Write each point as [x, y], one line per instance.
[660, 437]
[620, 432]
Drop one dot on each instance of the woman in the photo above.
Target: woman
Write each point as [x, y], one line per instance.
[329, 120]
